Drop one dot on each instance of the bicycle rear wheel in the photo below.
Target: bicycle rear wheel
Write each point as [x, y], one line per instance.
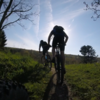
[60, 73]
[46, 62]
[10, 90]
[43, 60]
[49, 61]
[62, 76]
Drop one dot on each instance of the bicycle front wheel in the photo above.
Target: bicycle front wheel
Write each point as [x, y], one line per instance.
[10, 90]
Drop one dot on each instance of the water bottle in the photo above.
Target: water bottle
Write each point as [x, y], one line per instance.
[45, 56]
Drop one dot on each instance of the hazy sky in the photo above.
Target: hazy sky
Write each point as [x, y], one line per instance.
[70, 14]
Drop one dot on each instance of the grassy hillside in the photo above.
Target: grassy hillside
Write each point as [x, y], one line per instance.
[70, 59]
[84, 81]
[25, 70]
[23, 66]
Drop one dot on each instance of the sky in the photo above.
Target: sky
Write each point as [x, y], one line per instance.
[70, 14]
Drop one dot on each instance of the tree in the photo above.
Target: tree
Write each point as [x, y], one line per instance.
[95, 7]
[2, 39]
[88, 53]
[19, 9]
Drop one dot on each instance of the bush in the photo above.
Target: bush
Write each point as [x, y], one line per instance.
[25, 70]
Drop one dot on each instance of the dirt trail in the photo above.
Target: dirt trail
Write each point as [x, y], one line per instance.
[55, 92]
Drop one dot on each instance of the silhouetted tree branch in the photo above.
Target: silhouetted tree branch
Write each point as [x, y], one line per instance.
[95, 7]
[1, 1]
[18, 10]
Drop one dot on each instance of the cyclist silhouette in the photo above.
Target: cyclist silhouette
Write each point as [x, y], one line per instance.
[59, 36]
[44, 46]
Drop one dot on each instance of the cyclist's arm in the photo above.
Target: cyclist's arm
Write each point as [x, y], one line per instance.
[49, 38]
[66, 38]
[39, 47]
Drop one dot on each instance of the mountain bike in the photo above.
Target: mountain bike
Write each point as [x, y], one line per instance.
[46, 60]
[10, 90]
[58, 65]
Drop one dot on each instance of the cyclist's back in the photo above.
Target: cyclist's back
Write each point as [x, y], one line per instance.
[59, 36]
[44, 46]
[43, 43]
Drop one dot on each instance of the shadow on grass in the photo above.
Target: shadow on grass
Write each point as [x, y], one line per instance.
[54, 91]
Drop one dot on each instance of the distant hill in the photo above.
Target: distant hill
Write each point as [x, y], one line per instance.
[69, 59]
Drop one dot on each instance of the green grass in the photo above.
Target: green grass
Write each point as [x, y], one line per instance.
[26, 71]
[84, 81]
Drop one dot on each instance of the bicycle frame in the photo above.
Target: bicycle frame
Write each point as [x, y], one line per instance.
[46, 55]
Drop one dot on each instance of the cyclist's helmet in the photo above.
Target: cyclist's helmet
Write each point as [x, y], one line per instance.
[58, 28]
[41, 41]
[61, 28]
[55, 27]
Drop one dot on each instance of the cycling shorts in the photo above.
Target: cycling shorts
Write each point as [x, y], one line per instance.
[60, 41]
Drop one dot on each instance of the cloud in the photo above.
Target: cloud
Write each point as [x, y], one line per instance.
[27, 41]
[89, 35]
[37, 19]
[49, 15]
[47, 24]
[36, 26]
[76, 13]
[13, 43]
[48, 5]
[67, 1]
[71, 15]
[71, 23]
[47, 11]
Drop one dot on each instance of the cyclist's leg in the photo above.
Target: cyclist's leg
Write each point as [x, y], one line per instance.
[62, 48]
[53, 47]
[46, 49]
[63, 61]
[53, 52]
[63, 58]
[44, 52]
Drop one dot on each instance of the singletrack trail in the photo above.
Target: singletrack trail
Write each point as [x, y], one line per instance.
[54, 91]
